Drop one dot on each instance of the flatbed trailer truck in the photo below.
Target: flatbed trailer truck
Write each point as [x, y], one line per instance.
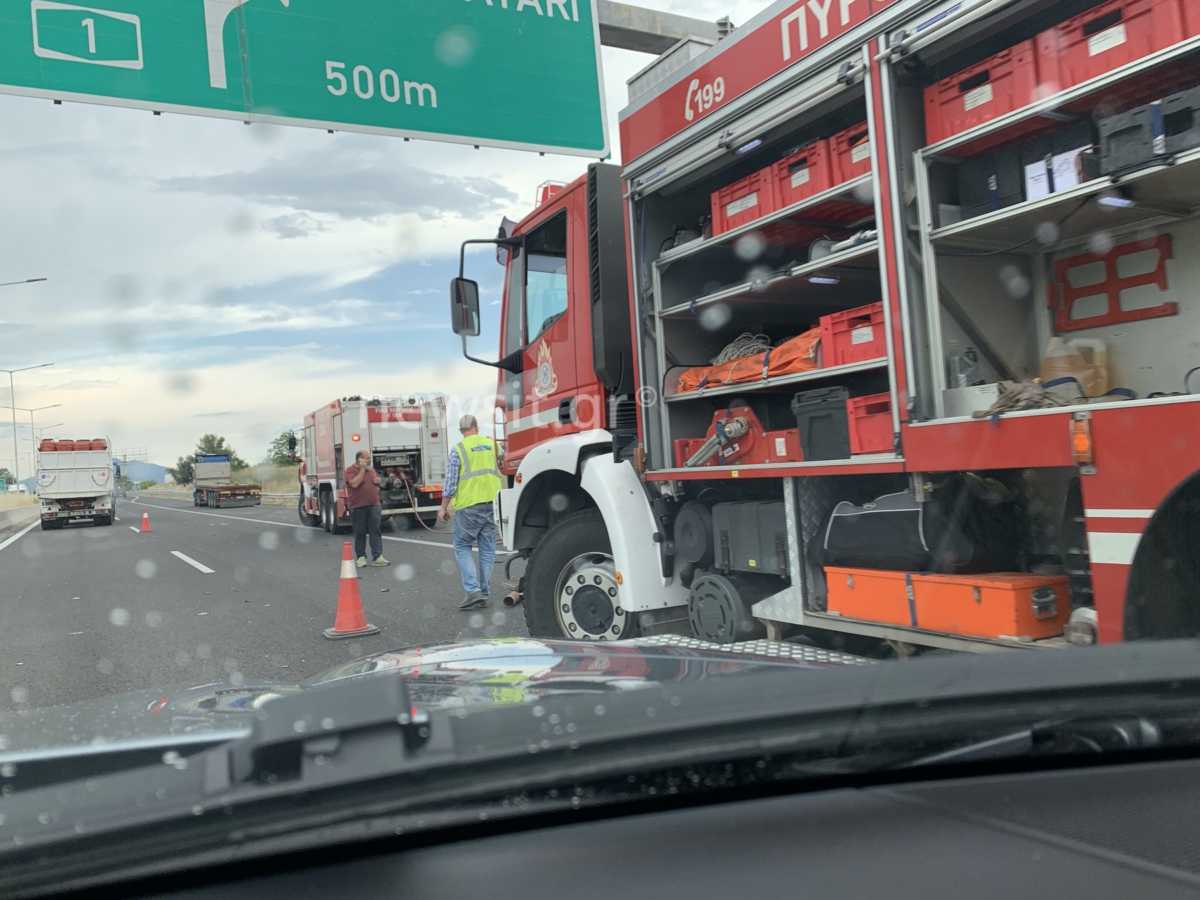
[899, 204]
[214, 485]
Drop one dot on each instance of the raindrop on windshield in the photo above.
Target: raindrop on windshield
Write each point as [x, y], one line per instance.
[447, 567]
[146, 568]
[475, 621]
[269, 540]
[154, 618]
[455, 46]
[119, 617]
[181, 383]
[559, 502]
[8, 770]
[1046, 233]
[499, 617]
[1015, 282]
[106, 667]
[750, 246]
[302, 535]
[240, 222]
[403, 572]
[1101, 243]
[715, 316]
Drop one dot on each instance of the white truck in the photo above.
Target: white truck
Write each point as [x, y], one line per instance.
[76, 482]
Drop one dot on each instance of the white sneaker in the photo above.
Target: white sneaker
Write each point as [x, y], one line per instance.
[380, 561]
[361, 562]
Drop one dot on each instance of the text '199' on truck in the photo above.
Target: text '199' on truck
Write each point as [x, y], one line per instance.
[891, 339]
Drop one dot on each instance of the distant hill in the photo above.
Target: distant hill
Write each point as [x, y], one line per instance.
[142, 471]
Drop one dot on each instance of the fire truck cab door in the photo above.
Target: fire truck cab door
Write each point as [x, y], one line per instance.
[541, 320]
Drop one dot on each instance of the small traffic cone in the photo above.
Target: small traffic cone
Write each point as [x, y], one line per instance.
[145, 528]
[350, 620]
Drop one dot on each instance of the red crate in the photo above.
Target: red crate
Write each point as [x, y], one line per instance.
[851, 153]
[980, 93]
[803, 173]
[853, 335]
[870, 420]
[48, 445]
[743, 201]
[1107, 36]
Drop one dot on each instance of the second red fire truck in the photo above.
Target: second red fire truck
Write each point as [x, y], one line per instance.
[406, 438]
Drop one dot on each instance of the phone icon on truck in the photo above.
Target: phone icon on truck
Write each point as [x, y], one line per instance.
[85, 34]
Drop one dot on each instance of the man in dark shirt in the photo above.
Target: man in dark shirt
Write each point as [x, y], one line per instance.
[365, 511]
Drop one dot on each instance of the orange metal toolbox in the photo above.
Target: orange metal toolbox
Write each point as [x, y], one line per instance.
[1001, 605]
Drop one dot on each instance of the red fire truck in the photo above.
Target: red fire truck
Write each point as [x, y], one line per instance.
[407, 442]
[887, 328]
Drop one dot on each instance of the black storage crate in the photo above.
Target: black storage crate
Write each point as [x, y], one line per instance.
[1127, 140]
[1181, 120]
[750, 537]
[991, 181]
[823, 421]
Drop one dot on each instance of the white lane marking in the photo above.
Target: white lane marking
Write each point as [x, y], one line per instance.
[134, 530]
[1115, 547]
[1118, 513]
[20, 534]
[274, 524]
[191, 562]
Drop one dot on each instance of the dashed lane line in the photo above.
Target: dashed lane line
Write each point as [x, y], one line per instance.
[199, 566]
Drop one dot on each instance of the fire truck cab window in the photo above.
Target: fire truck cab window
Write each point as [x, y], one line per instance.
[545, 277]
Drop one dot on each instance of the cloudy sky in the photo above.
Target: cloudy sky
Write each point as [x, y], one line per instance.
[208, 276]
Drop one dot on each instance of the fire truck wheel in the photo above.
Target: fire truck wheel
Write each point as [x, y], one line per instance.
[326, 512]
[305, 518]
[571, 589]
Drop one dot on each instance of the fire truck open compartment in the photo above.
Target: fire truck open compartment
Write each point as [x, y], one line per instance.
[1098, 257]
[812, 252]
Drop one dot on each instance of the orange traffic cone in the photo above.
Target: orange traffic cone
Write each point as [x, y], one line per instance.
[145, 529]
[350, 620]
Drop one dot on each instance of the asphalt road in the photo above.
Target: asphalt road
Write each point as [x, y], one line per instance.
[87, 611]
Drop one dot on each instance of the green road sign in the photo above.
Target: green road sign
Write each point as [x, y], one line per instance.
[506, 73]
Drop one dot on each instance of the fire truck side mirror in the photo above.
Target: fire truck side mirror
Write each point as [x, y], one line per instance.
[464, 307]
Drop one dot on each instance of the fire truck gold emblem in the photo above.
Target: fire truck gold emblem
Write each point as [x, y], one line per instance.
[545, 382]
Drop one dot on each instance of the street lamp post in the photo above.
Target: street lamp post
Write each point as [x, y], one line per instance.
[12, 393]
[36, 409]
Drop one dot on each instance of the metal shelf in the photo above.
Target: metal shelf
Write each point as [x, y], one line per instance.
[847, 192]
[867, 463]
[1050, 107]
[866, 255]
[1162, 192]
[764, 384]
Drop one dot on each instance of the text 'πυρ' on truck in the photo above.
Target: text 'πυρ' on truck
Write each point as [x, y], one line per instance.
[406, 440]
[214, 484]
[76, 482]
[885, 332]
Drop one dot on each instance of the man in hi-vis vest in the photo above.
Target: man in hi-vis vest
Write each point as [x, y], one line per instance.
[472, 483]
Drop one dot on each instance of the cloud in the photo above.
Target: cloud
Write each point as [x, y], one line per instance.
[352, 182]
[295, 225]
[224, 414]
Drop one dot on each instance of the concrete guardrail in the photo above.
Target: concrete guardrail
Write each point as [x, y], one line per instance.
[21, 515]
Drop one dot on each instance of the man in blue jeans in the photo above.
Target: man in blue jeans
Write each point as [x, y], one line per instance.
[472, 483]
